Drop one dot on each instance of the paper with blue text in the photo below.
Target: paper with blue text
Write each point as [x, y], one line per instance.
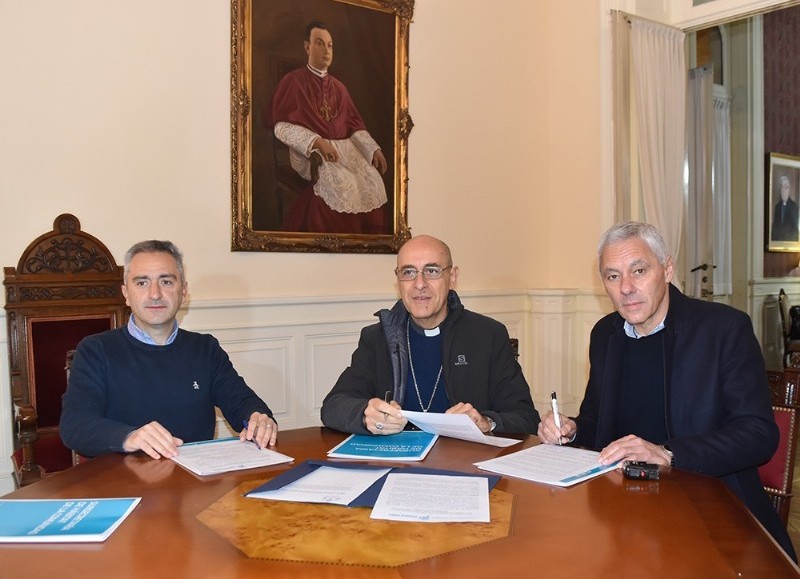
[226, 455]
[550, 464]
[62, 520]
[403, 446]
[336, 486]
[428, 498]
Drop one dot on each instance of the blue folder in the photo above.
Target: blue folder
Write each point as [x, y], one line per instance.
[369, 496]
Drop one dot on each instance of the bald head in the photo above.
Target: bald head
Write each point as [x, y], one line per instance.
[427, 244]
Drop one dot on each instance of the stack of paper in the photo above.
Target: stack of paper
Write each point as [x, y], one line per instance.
[430, 498]
[547, 463]
[226, 455]
[413, 493]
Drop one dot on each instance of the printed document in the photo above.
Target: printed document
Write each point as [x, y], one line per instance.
[455, 426]
[549, 463]
[431, 498]
[336, 486]
[404, 446]
[225, 455]
[62, 520]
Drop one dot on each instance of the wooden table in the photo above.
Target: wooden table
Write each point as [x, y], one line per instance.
[682, 526]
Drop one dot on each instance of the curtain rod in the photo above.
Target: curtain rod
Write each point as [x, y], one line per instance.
[629, 18]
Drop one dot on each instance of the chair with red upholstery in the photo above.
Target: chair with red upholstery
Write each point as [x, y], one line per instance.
[65, 286]
[777, 475]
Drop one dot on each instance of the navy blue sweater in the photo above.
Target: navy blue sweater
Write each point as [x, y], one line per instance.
[118, 384]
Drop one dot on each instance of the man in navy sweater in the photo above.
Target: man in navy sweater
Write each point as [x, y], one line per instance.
[151, 386]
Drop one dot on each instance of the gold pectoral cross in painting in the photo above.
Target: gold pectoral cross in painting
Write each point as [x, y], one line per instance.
[325, 110]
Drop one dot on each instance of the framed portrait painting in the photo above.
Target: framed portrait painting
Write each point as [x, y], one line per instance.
[319, 125]
[782, 194]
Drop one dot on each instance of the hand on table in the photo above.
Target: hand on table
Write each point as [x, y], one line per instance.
[153, 439]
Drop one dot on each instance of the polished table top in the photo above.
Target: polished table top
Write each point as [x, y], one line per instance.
[682, 526]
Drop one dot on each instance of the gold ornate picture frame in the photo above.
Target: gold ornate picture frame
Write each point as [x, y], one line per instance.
[782, 196]
[270, 195]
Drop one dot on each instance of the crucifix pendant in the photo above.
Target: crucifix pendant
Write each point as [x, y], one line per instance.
[325, 110]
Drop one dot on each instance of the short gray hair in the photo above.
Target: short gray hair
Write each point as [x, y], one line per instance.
[630, 229]
[154, 246]
[784, 179]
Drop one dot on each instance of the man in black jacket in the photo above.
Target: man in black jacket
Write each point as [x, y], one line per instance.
[673, 380]
[429, 354]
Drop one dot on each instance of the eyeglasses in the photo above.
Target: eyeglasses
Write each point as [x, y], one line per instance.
[428, 272]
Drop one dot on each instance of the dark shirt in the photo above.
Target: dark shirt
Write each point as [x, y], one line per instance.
[640, 400]
[426, 360]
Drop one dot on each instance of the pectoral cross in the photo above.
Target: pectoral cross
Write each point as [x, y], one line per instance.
[325, 110]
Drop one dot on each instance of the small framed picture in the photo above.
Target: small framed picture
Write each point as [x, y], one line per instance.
[781, 195]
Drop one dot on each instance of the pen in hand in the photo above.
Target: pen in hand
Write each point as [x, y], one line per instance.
[245, 423]
[556, 415]
[387, 398]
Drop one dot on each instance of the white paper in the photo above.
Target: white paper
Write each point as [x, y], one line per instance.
[433, 498]
[549, 463]
[336, 486]
[225, 455]
[458, 426]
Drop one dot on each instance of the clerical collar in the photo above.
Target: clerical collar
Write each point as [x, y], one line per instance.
[319, 73]
[428, 333]
[631, 332]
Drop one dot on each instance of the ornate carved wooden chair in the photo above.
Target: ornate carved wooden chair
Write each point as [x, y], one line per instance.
[784, 386]
[791, 341]
[65, 286]
[777, 475]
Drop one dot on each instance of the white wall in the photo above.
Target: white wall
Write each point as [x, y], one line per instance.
[118, 112]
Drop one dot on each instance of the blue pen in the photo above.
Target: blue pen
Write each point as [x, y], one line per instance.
[245, 423]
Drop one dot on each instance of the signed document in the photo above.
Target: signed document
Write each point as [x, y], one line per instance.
[549, 463]
[455, 426]
[430, 498]
[225, 455]
[336, 486]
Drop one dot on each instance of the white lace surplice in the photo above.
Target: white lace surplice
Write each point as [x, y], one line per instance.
[351, 185]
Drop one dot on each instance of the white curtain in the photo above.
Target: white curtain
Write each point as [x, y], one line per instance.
[621, 102]
[658, 76]
[700, 214]
[721, 179]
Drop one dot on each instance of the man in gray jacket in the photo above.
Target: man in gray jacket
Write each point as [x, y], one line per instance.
[429, 354]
